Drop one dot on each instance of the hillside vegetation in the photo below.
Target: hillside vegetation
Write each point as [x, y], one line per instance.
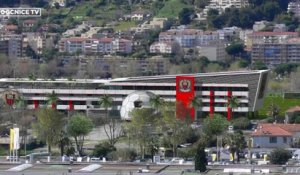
[284, 104]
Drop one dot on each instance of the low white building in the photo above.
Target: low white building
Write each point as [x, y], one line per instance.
[161, 47]
[270, 135]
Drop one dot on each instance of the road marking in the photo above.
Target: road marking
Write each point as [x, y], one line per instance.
[20, 167]
[90, 168]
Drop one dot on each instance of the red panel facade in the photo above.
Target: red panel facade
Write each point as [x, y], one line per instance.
[229, 94]
[71, 106]
[185, 92]
[36, 104]
[211, 103]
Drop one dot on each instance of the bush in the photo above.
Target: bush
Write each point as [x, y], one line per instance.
[35, 144]
[280, 156]
[123, 155]
[3, 151]
[241, 123]
[215, 126]
[200, 159]
[295, 118]
[102, 149]
[186, 152]
[270, 120]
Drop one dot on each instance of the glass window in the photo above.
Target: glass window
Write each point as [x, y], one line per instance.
[284, 139]
[273, 139]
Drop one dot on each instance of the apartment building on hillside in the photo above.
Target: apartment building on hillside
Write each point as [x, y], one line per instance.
[274, 48]
[95, 45]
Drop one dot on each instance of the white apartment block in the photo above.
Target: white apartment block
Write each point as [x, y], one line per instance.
[61, 3]
[221, 5]
[294, 7]
[188, 37]
[161, 47]
[95, 45]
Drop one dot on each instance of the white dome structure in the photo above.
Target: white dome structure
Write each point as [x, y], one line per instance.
[138, 99]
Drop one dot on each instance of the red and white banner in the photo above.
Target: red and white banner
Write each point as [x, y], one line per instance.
[185, 92]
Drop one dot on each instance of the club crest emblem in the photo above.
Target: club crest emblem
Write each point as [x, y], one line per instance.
[185, 85]
[9, 96]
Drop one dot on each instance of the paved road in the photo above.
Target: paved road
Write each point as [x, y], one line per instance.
[128, 169]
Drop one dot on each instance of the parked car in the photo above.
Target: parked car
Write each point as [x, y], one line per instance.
[177, 160]
[11, 158]
[95, 159]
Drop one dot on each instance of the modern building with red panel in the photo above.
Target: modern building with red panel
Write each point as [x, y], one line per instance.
[213, 89]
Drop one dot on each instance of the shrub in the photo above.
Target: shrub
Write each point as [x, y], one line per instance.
[35, 144]
[280, 156]
[123, 155]
[200, 159]
[186, 152]
[102, 149]
[241, 123]
[215, 126]
[270, 120]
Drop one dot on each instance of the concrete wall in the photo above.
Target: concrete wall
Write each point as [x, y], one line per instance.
[264, 142]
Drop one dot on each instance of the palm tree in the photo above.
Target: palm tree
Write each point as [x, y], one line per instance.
[157, 102]
[233, 103]
[273, 110]
[106, 101]
[52, 99]
[195, 103]
[236, 142]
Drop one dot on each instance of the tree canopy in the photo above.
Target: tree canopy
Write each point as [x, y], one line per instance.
[49, 126]
[280, 156]
[79, 126]
[215, 125]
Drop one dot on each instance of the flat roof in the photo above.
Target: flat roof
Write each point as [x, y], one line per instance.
[105, 81]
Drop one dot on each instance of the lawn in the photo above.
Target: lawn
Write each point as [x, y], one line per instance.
[284, 104]
[171, 9]
[98, 13]
[125, 25]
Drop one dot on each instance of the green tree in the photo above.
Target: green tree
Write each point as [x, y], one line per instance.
[200, 159]
[64, 143]
[79, 126]
[106, 102]
[273, 111]
[215, 125]
[141, 128]
[233, 103]
[280, 156]
[32, 77]
[195, 103]
[102, 149]
[270, 10]
[30, 52]
[258, 65]
[236, 143]
[49, 126]
[89, 12]
[201, 3]
[241, 123]
[235, 49]
[157, 103]
[175, 128]
[52, 99]
[185, 15]
[111, 124]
